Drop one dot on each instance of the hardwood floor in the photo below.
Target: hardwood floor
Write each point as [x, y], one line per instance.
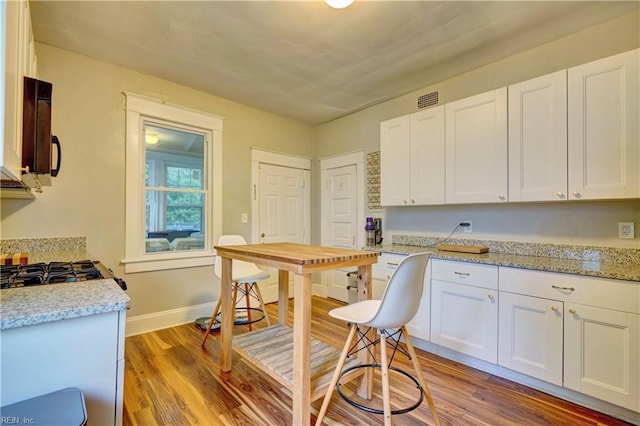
[171, 380]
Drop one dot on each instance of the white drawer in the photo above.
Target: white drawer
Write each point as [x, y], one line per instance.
[473, 274]
[599, 292]
[387, 263]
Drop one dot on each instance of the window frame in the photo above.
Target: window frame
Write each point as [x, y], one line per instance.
[138, 109]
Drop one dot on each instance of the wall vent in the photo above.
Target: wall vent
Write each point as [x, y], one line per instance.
[430, 99]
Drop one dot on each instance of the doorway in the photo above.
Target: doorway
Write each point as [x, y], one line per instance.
[342, 201]
[280, 205]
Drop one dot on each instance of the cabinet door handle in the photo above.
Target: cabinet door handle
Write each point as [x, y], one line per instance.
[413, 201]
[554, 308]
[501, 197]
[405, 201]
[557, 287]
[490, 296]
[560, 195]
[577, 194]
[572, 311]
[462, 274]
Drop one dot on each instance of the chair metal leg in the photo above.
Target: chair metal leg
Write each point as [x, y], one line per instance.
[384, 368]
[336, 376]
[247, 288]
[261, 300]
[421, 380]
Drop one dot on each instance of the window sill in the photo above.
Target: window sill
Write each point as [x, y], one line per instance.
[168, 260]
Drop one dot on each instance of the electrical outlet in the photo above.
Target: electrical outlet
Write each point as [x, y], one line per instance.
[626, 230]
[468, 228]
[244, 218]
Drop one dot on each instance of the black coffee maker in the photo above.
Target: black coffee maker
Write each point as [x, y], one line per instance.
[377, 223]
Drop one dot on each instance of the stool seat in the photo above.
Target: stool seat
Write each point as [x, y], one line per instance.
[64, 407]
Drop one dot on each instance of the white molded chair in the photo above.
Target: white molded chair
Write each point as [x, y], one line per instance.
[398, 306]
[245, 279]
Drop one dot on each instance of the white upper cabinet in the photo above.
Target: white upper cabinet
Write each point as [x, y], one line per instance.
[19, 61]
[476, 148]
[604, 153]
[412, 159]
[538, 139]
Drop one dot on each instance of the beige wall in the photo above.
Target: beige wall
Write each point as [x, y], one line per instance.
[578, 223]
[87, 198]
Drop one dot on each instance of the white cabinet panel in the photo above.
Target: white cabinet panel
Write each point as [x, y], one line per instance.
[427, 157]
[395, 155]
[476, 148]
[412, 159]
[602, 354]
[530, 336]
[465, 319]
[19, 61]
[80, 352]
[604, 153]
[538, 139]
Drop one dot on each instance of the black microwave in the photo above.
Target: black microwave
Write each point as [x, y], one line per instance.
[37, 140]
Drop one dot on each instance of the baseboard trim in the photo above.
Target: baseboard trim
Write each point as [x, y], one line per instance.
[165, 319]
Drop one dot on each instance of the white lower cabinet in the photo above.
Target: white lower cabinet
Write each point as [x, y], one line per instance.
[530, 336]
[582, 333]
[419, 326]
[464, 317]
[602, 354]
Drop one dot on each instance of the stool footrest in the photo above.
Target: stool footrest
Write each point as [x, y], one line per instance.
[375, 410]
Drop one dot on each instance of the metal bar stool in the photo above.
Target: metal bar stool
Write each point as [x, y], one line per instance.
[246, 277]
[389, 316]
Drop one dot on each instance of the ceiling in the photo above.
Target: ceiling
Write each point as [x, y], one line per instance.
[302, 59]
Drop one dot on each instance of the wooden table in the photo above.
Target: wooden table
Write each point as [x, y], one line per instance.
[302, 260]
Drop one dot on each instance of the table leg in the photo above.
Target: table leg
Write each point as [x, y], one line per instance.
[283, 297]
[365, 387]
[228, 315]
[302, 350]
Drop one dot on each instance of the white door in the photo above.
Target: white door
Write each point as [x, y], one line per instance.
[465, 319]
[341, 216]
[601, 354]
[395, 157]
[476, 148]
[530, 336]
[538, 139]
[283, 211]
[604, 145]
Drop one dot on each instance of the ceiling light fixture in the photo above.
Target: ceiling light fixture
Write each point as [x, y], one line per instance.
[339, 4]
[151, 139]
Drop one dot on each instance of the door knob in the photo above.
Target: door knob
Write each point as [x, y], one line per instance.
[262, 235]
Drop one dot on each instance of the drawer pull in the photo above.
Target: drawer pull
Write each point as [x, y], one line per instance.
[572, 311]
[462, 274]
[392, 264]
[557, 287]
[554, 308]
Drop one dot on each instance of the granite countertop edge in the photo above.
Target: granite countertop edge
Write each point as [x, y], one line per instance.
[627, 272]
[27, 306]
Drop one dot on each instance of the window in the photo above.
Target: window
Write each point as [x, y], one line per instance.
[173, 186]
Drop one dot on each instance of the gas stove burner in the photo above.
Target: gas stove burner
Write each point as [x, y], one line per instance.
[51, 273]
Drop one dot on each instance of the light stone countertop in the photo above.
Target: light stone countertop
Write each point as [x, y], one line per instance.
[621, 271]
[33, 305]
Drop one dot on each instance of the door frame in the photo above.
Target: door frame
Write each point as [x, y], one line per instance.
[258, 157]
[353, 158]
